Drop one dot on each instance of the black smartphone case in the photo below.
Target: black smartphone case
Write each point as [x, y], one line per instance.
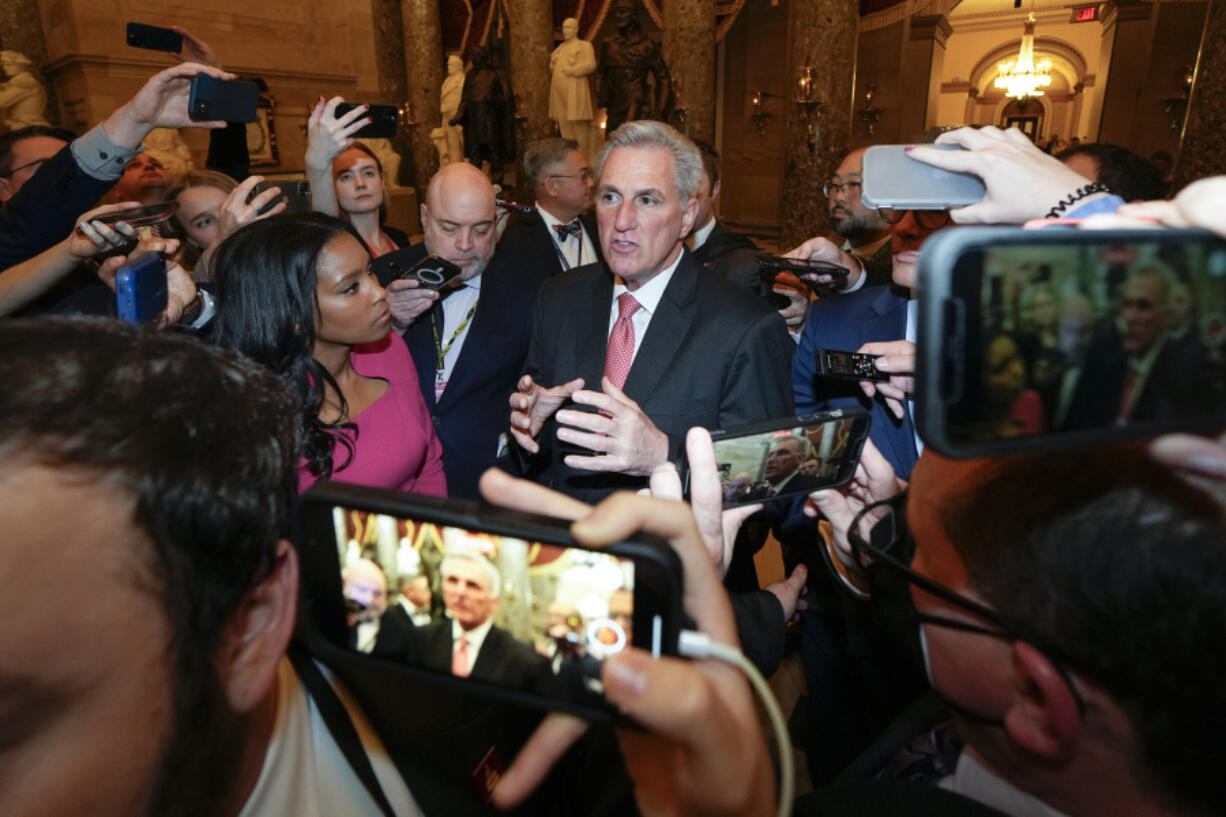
[222, 100]
[383, 124]
[154, 38]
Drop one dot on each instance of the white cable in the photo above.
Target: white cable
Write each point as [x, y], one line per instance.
[698, 646]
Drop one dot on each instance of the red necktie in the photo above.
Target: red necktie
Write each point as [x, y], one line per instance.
[620, 353]
[459, 658]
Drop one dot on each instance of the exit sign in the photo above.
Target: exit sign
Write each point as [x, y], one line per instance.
[1085, 14]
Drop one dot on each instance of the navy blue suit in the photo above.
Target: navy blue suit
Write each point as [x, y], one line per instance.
[858, 678]
[473, 410]
[847, 322]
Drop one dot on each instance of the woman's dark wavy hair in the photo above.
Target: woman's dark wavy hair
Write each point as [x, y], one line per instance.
[266, 308]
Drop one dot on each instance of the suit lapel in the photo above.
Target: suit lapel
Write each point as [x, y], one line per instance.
[546, 246]
[489, 655]
[420, 340]
[479, 335]
[668, 327]
[592, 329]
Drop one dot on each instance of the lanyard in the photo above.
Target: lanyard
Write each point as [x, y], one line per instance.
[557, 247]
[440, 351]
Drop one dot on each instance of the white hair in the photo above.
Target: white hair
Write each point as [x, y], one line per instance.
[491, 572]
[687, 160]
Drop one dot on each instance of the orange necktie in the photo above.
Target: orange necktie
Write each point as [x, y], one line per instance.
[459, 658]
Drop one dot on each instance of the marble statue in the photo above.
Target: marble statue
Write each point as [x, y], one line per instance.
[570, 93]
[23, 100]
[388, 158]
[626, 59]
[487, 113]
[449, 104]
[167, 146]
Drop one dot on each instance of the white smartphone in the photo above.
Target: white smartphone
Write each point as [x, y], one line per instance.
[892, 178]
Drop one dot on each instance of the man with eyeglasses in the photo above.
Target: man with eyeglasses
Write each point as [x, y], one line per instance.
[1071, 627]
[560, 235]
[48, 177]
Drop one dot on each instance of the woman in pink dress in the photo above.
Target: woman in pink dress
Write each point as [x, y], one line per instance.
[296, 293]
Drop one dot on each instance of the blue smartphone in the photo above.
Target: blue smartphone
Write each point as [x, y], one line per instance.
[140, 289]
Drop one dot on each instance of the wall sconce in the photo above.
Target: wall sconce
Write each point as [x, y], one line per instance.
[870, 113]
[1176, 107]
[404, 115]
[682, 116]
[810, 107]
[604, 124]
[760, 117]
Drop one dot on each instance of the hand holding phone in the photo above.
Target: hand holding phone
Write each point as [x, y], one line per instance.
[383, 120]
[213, 99]
[141, 216]
[141, 291]
[894, 178]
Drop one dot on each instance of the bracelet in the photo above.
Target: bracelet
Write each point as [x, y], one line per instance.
[1076, 196]
[207, 309]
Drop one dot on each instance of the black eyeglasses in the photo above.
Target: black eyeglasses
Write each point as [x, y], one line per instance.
[928, 219]
[886, 560]
[9, 174]
[584, 174]
[834, 187]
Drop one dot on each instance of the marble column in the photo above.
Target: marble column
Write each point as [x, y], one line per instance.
[389, 62]
[923, 55]
[21, 29]
[531, 43]
[689, 50]
[1203, 150]
[423, 58]
[823, 37]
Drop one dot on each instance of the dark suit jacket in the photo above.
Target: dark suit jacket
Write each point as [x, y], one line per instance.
[732, 256]
[712, 356]
[527, 242]
[847, 323]
[879, 266]
[474, 408]
[502, 658]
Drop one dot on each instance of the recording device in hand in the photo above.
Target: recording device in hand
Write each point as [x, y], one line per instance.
[295, 194]
[383, 120]
[140, 216]
[154, 38]
[1041, 339]
[783, 458]
[526, 615]
[140, 288]
[432, 272]
[849, 365]
[770, 266]
[893, 179]
[224, 100]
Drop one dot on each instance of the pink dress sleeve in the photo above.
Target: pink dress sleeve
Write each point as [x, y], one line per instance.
[396, 446]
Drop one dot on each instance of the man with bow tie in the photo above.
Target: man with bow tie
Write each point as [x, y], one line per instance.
[560, 235]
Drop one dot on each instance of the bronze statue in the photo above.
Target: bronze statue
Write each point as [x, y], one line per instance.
[487, 114]
[626, 58]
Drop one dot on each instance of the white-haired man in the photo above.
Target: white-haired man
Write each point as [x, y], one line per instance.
[643, 345]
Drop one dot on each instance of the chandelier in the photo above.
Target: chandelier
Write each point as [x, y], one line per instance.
[1022, 78]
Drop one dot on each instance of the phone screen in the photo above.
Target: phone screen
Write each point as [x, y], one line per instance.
[528, 616]
[1084, 336]
[788, 461]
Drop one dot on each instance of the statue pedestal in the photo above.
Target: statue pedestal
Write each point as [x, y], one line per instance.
[402, 210]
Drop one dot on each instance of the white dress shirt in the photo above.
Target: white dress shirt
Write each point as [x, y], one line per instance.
[575, 253]
[971, 778]
[475, 638]
[420, 616]
[699, 237]
[648, 296]
[455, 309]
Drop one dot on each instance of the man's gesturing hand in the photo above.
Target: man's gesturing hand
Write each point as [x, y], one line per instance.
[532, 405]
[625, 439]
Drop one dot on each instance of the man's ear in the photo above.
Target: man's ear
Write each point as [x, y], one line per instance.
[1042, 716]
[423, 214]
[689, 214]
[256, 637]
[715, 191]
[6, 189]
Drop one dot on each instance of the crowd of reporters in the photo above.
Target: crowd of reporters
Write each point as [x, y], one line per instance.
[1068, 628]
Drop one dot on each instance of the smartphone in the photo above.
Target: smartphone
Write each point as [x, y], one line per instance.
[296, 195]
[431, 272]
[788, 457]
[849, 365]
[522, 209]
[154, 38]
[539, 614]
[1042, 339]
[383, 120]
[222, 100]
[141, 216]
[891, 178]
[769, 266]
[140, 289]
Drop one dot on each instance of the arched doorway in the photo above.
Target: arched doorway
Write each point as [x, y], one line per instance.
[1024, 114]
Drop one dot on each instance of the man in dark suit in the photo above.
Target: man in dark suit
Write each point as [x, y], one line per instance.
[730, 255]
[782, 470]
[469, 347]
[560, 235]
[467, 643]
[671, 346]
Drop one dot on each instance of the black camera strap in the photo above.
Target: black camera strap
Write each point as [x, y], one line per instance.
[339, 724]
